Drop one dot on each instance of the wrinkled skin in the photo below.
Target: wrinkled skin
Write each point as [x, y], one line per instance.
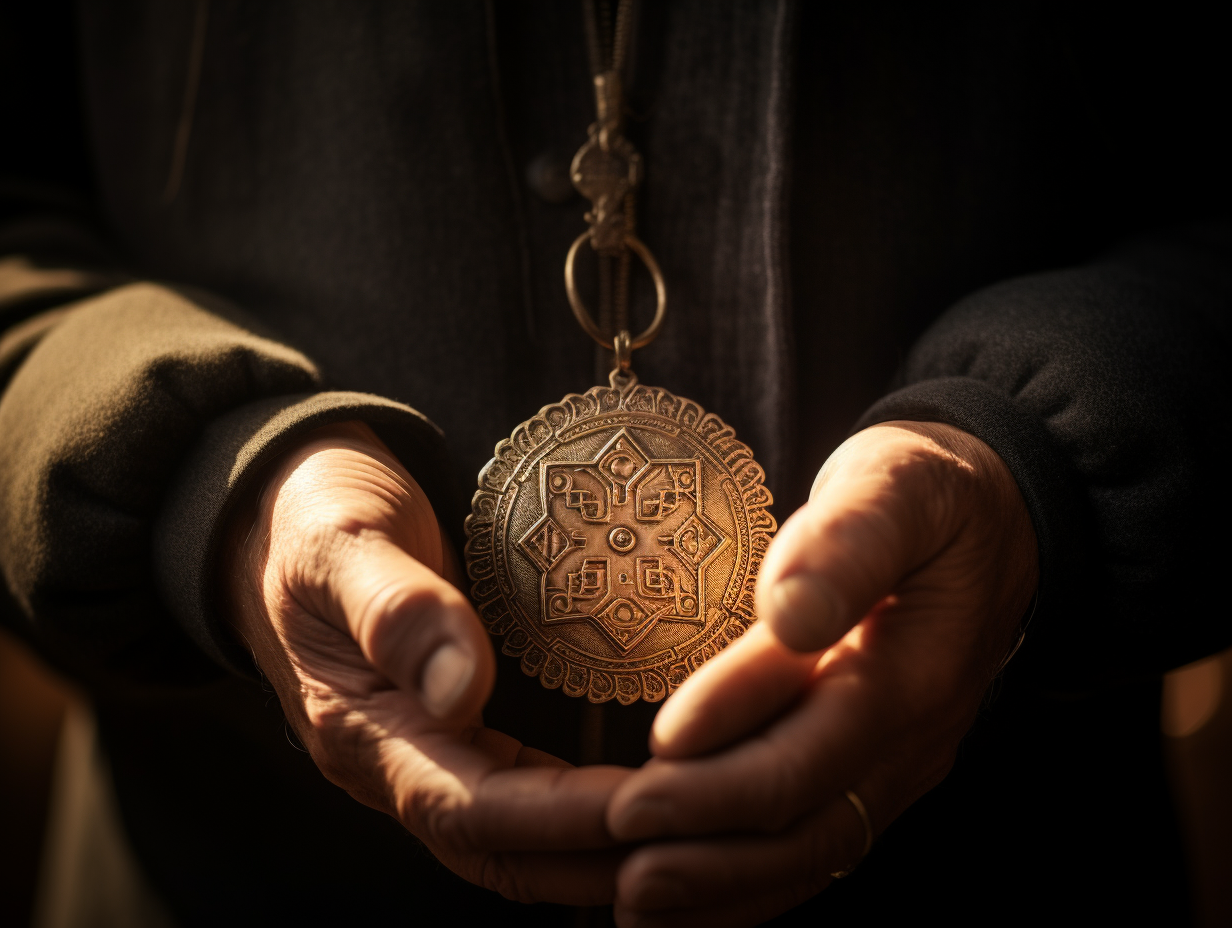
[341, 584]
[887, 605]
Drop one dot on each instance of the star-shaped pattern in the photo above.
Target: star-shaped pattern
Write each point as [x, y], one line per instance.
[623, 542]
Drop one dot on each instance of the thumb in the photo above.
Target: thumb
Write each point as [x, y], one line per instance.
[415, 628]
[868, 524]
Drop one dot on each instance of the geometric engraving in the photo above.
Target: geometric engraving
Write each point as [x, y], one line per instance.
[621, 539]
[546, 542]
[618, 462]
[656, 581]
[697, 540]
[660, 491]
[615, 541]
[664, 493]
[590, 580]
[626, 621]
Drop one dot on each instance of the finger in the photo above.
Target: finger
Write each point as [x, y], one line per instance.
[509, 752]
[462, 795]
[694, 874]
[415, 627]
[731, 695]
[576, 878]
[837, 557]
[726, 872]
[544, 807]
[533, 757]
[762, 784]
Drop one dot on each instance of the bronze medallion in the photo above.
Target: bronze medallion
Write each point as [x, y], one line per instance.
[616, 537]
[615, 541]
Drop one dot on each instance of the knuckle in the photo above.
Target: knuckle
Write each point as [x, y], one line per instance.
[335, 739]
[938, 483]
[435, 814]
[499, 876]
[388, 607]
[779, 794]
[307, 551]
[328, 715]
[859, 528]
[856, 541]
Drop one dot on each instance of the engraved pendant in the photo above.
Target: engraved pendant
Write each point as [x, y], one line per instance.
[615, 541]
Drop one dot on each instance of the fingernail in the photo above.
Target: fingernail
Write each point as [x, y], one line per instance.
[807, 615]
[446, 675]
[641, 819]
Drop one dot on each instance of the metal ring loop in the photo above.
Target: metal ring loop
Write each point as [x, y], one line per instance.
[583, 314]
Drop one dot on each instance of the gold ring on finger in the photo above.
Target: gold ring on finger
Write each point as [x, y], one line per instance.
[858, 805]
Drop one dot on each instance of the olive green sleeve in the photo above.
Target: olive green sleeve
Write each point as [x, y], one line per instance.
[130, 423]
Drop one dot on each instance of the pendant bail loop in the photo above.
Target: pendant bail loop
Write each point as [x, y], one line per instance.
[622, 345]
[624, 381]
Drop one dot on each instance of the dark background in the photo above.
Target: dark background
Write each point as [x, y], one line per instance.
[1114, 121]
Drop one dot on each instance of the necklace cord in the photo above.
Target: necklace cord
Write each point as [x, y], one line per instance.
[607, 170]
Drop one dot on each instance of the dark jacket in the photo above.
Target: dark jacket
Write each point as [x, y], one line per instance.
[225, 224]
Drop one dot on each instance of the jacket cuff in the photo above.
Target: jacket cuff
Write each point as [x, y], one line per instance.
[223, 466]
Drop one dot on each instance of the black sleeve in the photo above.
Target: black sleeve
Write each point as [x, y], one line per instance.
[1103, 388]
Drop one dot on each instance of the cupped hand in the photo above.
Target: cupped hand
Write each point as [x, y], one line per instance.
[887, 605]
[339, 580]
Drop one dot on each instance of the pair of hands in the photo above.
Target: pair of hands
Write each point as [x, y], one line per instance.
[887, 604]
